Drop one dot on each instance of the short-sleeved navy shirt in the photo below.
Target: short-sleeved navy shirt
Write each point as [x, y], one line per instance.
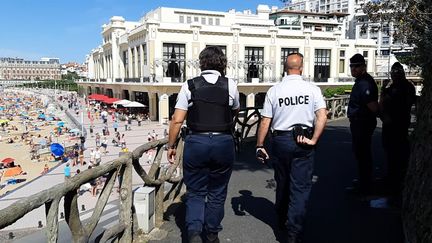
[363, 92]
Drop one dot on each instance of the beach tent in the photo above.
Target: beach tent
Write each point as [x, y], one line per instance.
[8, 160]
[134, 104]
[57, 149]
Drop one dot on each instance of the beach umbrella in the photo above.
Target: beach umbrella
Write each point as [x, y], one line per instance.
[75, 130]
[134, 104]
[57, 149]
[8, 160]
[122, 102]
[60, 123]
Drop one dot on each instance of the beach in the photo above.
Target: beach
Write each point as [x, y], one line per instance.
[30, 133]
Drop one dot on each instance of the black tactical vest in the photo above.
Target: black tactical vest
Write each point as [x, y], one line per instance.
[210, 111]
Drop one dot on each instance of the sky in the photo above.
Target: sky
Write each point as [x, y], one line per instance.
[68, 30]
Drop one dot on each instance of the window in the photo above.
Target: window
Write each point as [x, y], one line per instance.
[203, 20]
[365, 55]
[181, 19]
[342, 61]
[385, 52]
[217, 21]
[318, 28]
[284, 54]
[385, 40]
[196, 19]
[322, 65]
[254, 58]
[189, 19]
[210, 21]
[329, 28]
[174, 57]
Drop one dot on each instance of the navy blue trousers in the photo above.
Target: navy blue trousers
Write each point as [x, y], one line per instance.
[361, 132]
[207, 167]
[293, 175]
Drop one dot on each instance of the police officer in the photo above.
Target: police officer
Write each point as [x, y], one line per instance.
[210, 102]
[362, 112]
[396, 101]
[292, 107]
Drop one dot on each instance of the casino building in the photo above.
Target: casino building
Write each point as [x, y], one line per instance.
[148, 60]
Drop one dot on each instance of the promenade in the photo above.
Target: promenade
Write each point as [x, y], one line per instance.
[333, 216]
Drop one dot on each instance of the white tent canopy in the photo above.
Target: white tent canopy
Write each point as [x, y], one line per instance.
[134, 104]
[122, 102]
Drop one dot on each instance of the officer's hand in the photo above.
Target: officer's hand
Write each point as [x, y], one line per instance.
[262, 155]
[306, 141]
[171, 155]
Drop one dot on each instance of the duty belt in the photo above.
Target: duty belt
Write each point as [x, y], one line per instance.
[209, 133]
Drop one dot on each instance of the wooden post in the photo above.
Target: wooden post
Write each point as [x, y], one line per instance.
[51, 211]
[72, 217]
[125, 215]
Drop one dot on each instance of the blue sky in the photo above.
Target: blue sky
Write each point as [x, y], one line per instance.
[32, 29]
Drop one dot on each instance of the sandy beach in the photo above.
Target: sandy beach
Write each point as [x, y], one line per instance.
[21, 114]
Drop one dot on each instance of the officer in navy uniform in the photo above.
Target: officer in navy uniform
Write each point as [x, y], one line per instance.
[210, 102]
[396, 101]
[362, 112]
[291, 108]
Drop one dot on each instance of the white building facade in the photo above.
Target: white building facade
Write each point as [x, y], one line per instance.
[142, 51]
[149, 59]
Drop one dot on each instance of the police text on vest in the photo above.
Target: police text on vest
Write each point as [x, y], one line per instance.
[296, 100]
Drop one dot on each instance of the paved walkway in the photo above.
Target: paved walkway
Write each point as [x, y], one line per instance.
[332, 216]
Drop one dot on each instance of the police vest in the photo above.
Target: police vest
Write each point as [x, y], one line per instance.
[210, 110]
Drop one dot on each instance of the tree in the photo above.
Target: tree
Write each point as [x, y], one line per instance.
[413, 22]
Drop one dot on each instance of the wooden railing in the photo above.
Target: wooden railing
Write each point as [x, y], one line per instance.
[337, 107]
[120, 168]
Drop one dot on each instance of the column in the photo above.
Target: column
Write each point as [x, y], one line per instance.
[163, 108]
[250, 100]
[141, 51]
[129, 67]
[153, 106]
[136, 62]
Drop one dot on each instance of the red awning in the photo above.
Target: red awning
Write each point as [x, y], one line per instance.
[110, 101]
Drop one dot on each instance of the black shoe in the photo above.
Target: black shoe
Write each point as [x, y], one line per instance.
[194, 237]
[212, 238]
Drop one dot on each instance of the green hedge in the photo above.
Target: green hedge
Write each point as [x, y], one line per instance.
[340, 90]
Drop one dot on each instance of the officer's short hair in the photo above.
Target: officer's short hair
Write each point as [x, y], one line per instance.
[213, 58]
[292, 54]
